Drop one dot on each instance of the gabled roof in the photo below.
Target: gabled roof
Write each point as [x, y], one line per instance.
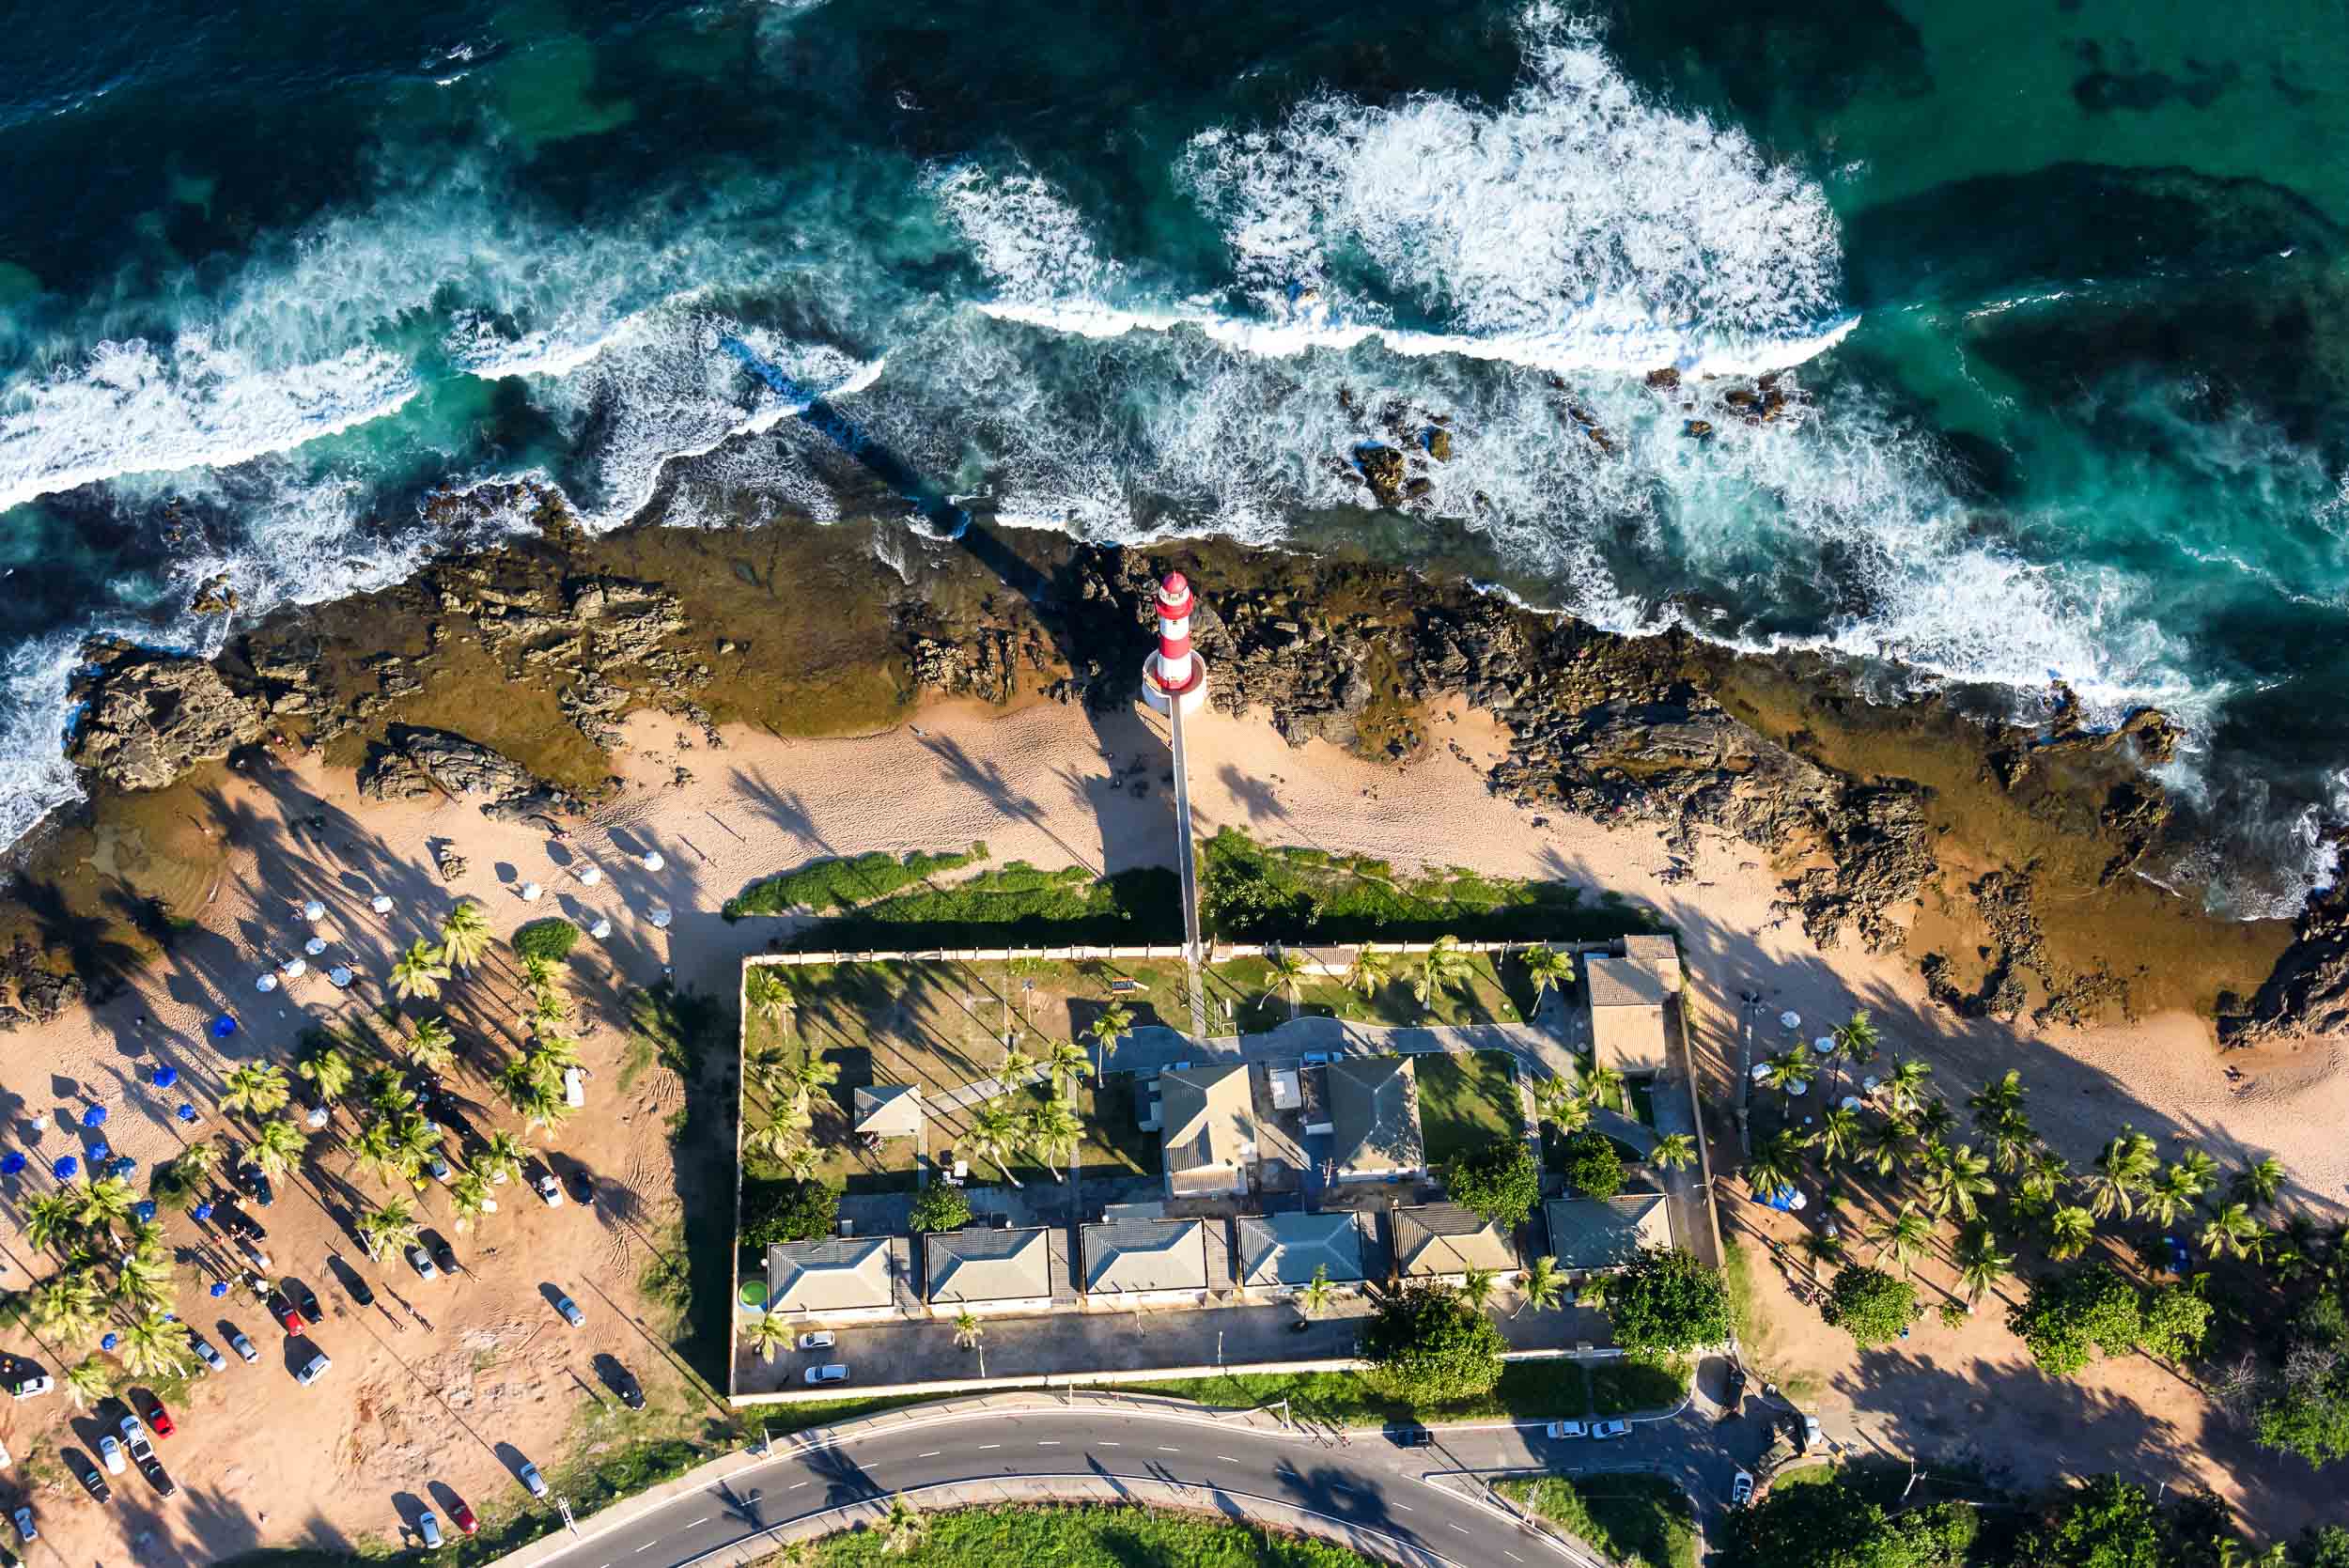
[1606, 1233]
[888, 1109]
[1374, 1114]
[987, 1265]
[838, 1275]
[1125, 1255]
[1285, 1249]
[1209, 1117]
[1444, 1238]
[1623, 983]
[1656, 952]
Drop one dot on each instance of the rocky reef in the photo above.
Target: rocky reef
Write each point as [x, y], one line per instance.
[149, 716]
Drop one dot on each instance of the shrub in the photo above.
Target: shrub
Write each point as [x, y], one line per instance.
[552, 938]
[836, 886]
[1590, 1163]
[1429, 1346]
[1870, 1306]
[1666, 1300]
[941, 1208]
[1499, 1181]
[788, 1211]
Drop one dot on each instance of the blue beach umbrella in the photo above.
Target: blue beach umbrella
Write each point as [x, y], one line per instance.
[220, 1288]
[165, 1077]
[186, 1112]
[203, 1211]
[122, 1166]
[97, 1153]
[224, 1027]
[11, 1162]
[111, 1339]
[94, 1117]
[65, 1167]
[144, 1209]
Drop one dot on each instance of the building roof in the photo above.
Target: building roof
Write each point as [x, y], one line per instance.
[1285, 1249]
[1623, 983]
[1208, 1117]
[1444, 1238]
[1655, 952]
[1374, 1114]
[888, 1109]
[988, 1265]
[837, 1275]
[1606, 1232]
[1145, 1254]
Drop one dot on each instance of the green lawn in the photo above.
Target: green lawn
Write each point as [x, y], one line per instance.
[1528, 1390]
[1628, 1385]
[1464, 1102]
[1091, 1537]
[1244, 990]
[1642, 1521]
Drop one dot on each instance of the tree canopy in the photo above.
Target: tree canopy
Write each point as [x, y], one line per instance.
[940, 1207]
[1427, 1346]
[1592, 1165]
[1870, 1305]
[1498, 1181]
[789, 1211]
[2067, 1316]
[1835, 1525]
[1666, 1300]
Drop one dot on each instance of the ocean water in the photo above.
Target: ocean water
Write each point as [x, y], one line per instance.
[2058, 286]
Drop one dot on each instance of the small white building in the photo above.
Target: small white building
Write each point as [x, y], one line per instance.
[989, 1271]
[838, 1279]
[1144, 1262]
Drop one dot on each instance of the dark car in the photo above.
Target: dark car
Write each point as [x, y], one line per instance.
[444, 1254]
[630, 1391]
[94, 1479]
[255, 1181]
[286, 1312]
[359, 1290]
[1409, 1435]
[583, 1187]
[1735, 1394]
[246, 1227]
[159, 1478]
[305, 1298]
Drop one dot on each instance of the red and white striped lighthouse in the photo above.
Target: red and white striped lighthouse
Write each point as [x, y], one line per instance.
[1174, 674]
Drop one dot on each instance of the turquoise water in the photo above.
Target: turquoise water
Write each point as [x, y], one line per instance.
[2057, 288]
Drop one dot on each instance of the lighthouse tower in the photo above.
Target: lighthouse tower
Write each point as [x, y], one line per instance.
[1175, 677]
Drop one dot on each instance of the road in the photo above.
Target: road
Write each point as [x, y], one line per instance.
[1361, 1483]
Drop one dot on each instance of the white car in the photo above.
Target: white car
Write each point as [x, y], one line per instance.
[836, 1372]
[1741, 1490]
[549, 1190]
[110, 1453]
[1810, 1432]
[574, 1088]
[254, 1255]
[1616, 1428]
[1568, 1429]
[820, 1339]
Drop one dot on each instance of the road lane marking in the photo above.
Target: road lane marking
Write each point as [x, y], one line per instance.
[795, 1485]
[1462, 1528]
[703, 1520]
[1163, 1448]
[648, 1545]
[1048, 1442]
[1113, 1445]
[1406, 1508]
[985, 1446]
[1228, 1459]
[1510, 1555]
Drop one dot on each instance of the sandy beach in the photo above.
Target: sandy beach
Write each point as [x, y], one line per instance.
[1035, 785]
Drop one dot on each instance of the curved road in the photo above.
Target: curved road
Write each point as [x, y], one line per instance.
[1363, 1483]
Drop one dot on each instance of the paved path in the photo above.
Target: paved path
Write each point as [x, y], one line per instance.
[1422, 1504]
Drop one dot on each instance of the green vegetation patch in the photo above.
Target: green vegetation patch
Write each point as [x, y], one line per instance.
[1012, 905]
[1095, 1537]
[836, 886]
[552, 938]
[1465, 1102]
[1642, 1521]
[1638, 1384]
[1528, 1390]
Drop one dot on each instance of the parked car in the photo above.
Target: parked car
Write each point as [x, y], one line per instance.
[460, 1514]
[135, 1439]
[630, 1391]
[31, 1384]
[206, 1351]
[305, 1298]
[1616, 1428]
[110, 1453]
[430, 1528]
[421, 1261]
[1810, 1432]
[243, 1347]
[246, 1227]
[571, 1314]
[255, 1181]
[583, 1187]
[314, 1368]
[1409, 1435]
[549, 1191]
[1735, 1394]
[359, 1290]
[817, 1339]
[159, 1478]
[445, 1255]
[836, 1372]
[574, 1087]
[533, 1482]
[256, 1254]
[25, 1529]
[158, 1419]
[1741, 1490]
[94, 1481]
[437, 1164]
[286, 1312]
[1568, 1429]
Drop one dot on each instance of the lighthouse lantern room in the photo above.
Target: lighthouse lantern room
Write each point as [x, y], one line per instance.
[1175, 675]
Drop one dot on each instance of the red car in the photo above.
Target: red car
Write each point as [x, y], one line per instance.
[286, 1312]
[461, 1515]
[158, 1417]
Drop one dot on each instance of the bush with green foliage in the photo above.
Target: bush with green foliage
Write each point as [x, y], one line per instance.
[1833, 1524]
[835, 886]
[2096, 1308]
[2323, 1546]
[552, 938]
[1592, 1165]
[2171, 1322]
[1497, 1182]
[1870, 1305]
[2309, 1412]
[1666, 1300]
[2103, 1522]
[780, 1211]
[940, 1207]
[1427, 1346]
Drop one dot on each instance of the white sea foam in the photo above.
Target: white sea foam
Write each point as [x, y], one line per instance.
[1027, 235]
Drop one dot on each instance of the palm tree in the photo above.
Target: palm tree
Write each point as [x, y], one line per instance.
[1980, 1263]
[525, 1083]
[1053, 1132]
[1287, 966]
[154, 1347]
[2011, 1140]
[1559, 1103]
[469, 1195]
[1998, 1099]
[415, 1142]
[767, 1333]
[1775, 1165]
[1016, 1064]
[1476, 1286]
[770, 996]
[1444, 966]
[1852, 1042]
[64, 1308]
[2042, 1173]
[1370, 972]
[1838, 1135]
[88, 1381]
[994, 1135]
[379, 1154]
[1674, 1150]
[538, 974]
[798, 1159]
[52, 1219]
[464, 934]
[388, 1093]
[2122, 1171]
[143, 1280]
[1789, 1073]
[1064, 1063]
[1114, 1021]
[550, 1010]
[2232, 1230]
[1548, 969]
[1541, 1285]
[1889, 1144]
[432, 1045]
[901, 1526]
[391, 1224]
[2172, 1193]
[418, 971]
[969, 1330]
[2259, 1183]
[104, 1204]
[1907, 1235]
[329, 1073]
[554, 1052]
[502, 1160]
[2198, 1170]
[1904, 1089]
[1934, 1118]
[1956, 1180]
[278, 1145]
[2071, 1228]
[808, 1073]
[1605, 1085]
[260, 1088]
[1316, 1292]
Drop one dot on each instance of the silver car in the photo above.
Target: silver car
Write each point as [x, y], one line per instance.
[421, 1261]
[571, 1314]
[533, 1482]
[203, 1347]
[314, 1368]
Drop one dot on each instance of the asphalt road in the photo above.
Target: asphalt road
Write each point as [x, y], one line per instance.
[1366, 1480]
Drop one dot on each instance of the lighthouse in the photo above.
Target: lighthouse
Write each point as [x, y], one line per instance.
[1175, 677]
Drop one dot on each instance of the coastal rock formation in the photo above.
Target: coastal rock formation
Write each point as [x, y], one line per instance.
[152, 716]
[2308, 993]
[413, 763]
[39, 993]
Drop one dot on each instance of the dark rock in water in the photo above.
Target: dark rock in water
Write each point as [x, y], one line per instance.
[1664, 380]
[1439, 444]
[1699, 429]
[413, 763]
[1383, 467]
[1418, 489]
[2307, 992]
[41, 993]
[214, 597]
[152, 716]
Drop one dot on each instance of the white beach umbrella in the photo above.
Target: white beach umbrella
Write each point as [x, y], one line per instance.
[314, 911]
[1851, 1102]
[267, 983]
[293, 967]
[339, 977]
[660, 916]
[1868, 1085]
[381, 903]
[601, 929]
[531, 891]
[653, 861]
[590, 876]
[1761, 1071]
[1824, 1045]
[1790, 1019]
[1798, 1089]
[314, 946]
